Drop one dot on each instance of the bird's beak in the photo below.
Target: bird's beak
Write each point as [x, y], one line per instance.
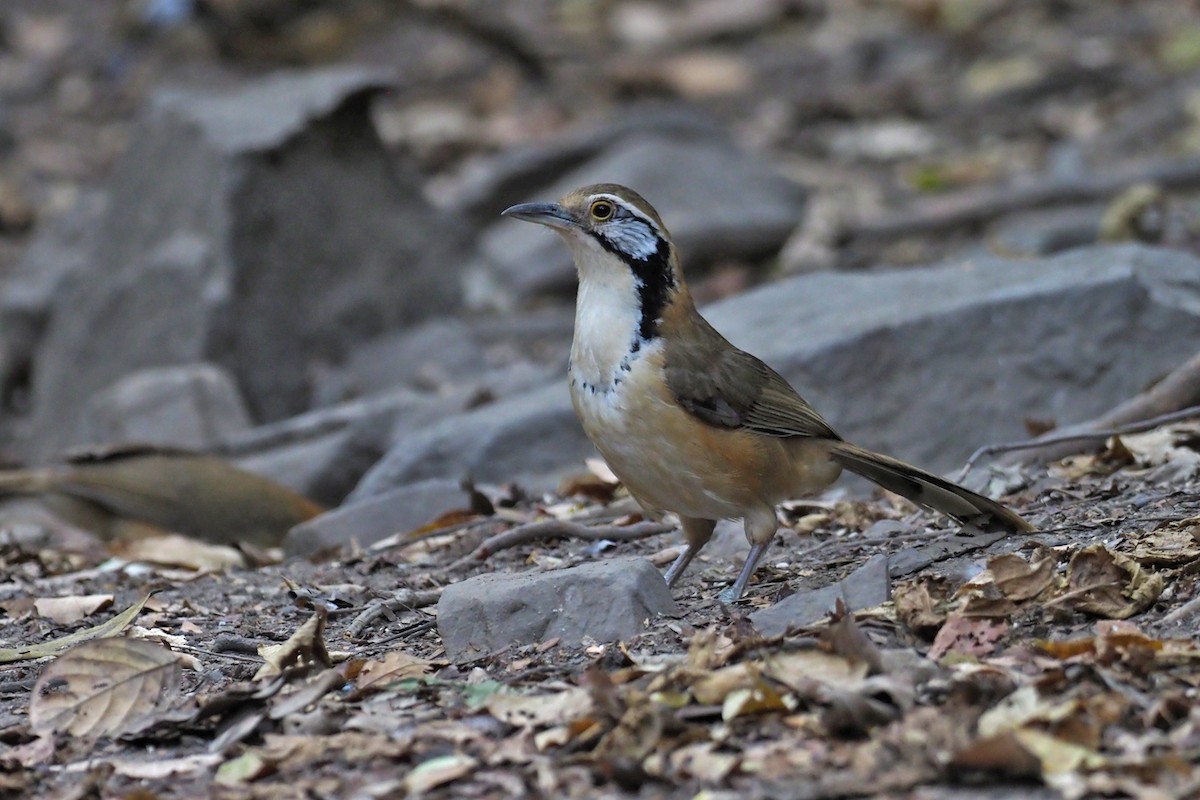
[549, 214]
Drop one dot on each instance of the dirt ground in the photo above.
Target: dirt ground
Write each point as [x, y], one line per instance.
[1065, 660]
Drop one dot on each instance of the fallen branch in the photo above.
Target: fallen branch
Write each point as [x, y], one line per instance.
[1173, 399]
[403, 600]
[560, 529]
[976, 206]
[1075, 438]
[1184, 613]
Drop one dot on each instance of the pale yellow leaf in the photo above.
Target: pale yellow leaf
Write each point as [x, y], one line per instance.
[110, 628]
[69, 610]
[437, 772]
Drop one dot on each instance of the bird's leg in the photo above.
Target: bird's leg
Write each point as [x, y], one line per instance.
[696, 533]
[760, 530]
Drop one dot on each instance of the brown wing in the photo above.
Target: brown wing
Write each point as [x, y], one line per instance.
[729, 388]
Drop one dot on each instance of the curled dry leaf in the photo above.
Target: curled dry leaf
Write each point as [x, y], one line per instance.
[105, 687]
[69, 610]
[1109, 584]
[305, 646]
[921, 604]
[176, 550]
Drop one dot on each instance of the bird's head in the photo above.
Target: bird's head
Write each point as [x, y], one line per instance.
[605, 218]
[616, 238]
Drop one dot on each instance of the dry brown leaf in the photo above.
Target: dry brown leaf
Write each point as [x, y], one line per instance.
[69, 610]
[105, 687]
[1018, 579]
[540, 710]
[394, 666]
[1170, 547]
[712, 688]
[969, 636]
[796, 668]
[1123, 641]
[1109, 584]
[636, 735]
[109, 628]
[18, 607]
[702, 761]
[709, 649]
[845, 638]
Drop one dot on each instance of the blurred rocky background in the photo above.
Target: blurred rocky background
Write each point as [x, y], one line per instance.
[268, 229]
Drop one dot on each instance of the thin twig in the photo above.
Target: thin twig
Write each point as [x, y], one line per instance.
[1042, 441]
[403, 600]
[1185, 612]
[563, 529]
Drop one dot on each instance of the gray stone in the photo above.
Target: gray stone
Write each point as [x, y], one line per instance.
[400, 510]
[531, 437]
[322, 454]
[194, 406]
[267, 230]
[605, 601]
[61, 248]
[513, 175]
[693, 184]
[924, 363]
[867, 586]
[493, 357]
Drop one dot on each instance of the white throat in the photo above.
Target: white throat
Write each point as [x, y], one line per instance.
[607, 315]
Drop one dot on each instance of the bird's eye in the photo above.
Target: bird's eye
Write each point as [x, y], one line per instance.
[602, 210]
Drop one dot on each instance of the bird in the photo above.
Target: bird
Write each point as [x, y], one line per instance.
[139, 490]
[689, 423]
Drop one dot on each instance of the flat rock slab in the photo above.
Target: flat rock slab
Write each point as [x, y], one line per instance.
[605, 600]
[398, 511]
[867, 586]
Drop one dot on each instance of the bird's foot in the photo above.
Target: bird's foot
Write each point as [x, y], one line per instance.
[676, 570]
[734, 593]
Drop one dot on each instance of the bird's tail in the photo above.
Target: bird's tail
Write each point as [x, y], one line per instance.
[25, 481]
[923, 488]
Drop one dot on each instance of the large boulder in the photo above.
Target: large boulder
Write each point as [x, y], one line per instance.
[266, 230]
[923, 363]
